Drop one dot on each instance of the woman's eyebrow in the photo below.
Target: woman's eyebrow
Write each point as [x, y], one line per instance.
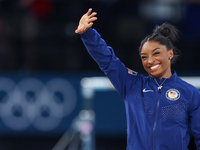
[152, 51]
[155, 49]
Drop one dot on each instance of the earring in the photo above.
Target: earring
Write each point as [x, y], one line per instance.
[171, 57]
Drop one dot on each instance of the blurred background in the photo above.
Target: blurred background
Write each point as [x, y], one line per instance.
[42, 62]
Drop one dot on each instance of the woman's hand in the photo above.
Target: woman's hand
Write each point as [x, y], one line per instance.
[86, 21]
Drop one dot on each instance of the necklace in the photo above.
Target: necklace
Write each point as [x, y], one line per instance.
[160, 86]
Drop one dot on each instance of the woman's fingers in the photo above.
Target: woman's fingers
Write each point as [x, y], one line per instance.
[92, 19]
[92, 15]
[89, 11]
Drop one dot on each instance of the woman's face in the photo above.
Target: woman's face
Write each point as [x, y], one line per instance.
[156, 59]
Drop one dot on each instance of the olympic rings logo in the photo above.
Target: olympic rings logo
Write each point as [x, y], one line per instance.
[31, 102]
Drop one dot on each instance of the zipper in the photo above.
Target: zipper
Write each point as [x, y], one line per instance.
[156, 117]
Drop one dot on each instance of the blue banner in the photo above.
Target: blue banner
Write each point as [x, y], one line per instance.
[47, 103]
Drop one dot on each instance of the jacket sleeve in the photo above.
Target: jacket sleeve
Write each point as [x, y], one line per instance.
[106, 60]
[195, 119]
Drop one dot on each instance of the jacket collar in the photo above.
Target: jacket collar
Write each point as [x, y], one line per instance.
[173, 78]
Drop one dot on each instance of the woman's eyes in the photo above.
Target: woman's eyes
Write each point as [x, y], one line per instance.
[156, 53]
[143, 57]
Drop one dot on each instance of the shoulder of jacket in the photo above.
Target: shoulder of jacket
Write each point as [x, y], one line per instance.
[187, 85]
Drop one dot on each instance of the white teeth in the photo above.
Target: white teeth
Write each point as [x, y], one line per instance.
[154, 67]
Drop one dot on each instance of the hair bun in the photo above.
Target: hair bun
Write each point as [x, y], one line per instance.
[167, 30]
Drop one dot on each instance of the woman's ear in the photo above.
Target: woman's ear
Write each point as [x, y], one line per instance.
[171, 54]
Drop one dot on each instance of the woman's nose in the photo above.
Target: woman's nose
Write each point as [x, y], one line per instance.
[150, 60]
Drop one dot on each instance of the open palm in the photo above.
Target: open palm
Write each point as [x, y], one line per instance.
[86, 22]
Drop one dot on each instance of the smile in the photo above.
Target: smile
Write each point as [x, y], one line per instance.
[154, 67]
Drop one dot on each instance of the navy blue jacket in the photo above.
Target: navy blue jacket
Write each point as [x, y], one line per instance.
[156, 119]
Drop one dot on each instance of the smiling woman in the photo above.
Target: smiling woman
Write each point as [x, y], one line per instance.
[161, 107]
[156, 59]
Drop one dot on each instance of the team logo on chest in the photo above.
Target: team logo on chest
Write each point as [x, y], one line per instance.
[172, 94]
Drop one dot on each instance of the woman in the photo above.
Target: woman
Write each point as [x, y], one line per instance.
[160, 108]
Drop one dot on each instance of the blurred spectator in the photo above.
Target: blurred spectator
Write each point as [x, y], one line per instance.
[19, 29]
[41, 9]
[38, 35]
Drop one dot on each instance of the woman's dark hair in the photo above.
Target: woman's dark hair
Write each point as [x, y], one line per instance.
[166, 34]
